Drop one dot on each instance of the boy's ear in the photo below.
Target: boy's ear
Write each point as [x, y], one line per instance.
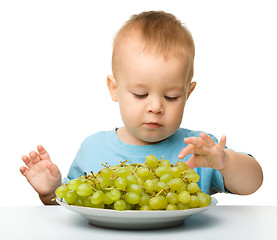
[191, 88]
[112, 85]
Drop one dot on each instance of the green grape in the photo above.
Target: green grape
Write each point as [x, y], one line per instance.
[144, 199]
[150, 186]
[114, 169]
[131, 179]
[202, 194]
[100, 205]
[145, 208]
[115, 194]
[164, 202]
[181, 206]
[169, 170]
[103, 182]
[74, 184]
[155, 203]
[175, 184]
[84, 190]
[87, 202]
[83, 179]
[171, 207]
[156, 180]
[165, 163]
[204, 199]
[184, 197]
[111, 182]
[134, 188]
[132, 197]
[150, 176]
[183, 187]
[143, 172]
[141, 181]
[191, 175]
[120, 205]
[182, 165]
[193, 187]
[123, 172]
[106, 198]
[193, 202]
[161, 170]
[160, 186]
[79, 202]
[131, 168]
[106, 172]
[177, 172]
[120, 183]
[61, 191]
[166, 177]
[128, 206]
[151, 161]
[70, 197]
[97, 197]
[172, 198]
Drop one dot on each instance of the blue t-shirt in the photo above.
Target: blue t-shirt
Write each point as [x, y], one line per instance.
[106, 147]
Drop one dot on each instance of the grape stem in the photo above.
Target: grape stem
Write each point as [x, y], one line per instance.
[142, 187]
[105, 165]
[122, 163]
[111, 188]
[164, 189]
[135, 169]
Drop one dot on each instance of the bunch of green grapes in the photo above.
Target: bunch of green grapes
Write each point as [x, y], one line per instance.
[153, 185]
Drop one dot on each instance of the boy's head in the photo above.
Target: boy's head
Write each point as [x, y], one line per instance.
[152, 71]
[159, 33]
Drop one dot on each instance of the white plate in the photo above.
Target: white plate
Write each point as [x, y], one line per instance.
[132, 219]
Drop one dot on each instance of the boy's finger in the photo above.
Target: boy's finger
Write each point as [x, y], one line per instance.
[54, 171]
[189, 149]
[34, 157]
[27, 161]
[24, 171]
[190, 163]
[43, 153]
[207, 139]
[222, 142]
[196, 141]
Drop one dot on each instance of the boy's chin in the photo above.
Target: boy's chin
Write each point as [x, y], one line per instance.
[153, 139]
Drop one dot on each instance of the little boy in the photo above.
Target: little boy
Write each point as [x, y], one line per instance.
[152, 67]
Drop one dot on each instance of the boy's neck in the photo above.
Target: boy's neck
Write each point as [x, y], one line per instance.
[124, 136]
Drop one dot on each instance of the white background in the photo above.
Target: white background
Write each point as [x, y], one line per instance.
[55, 56]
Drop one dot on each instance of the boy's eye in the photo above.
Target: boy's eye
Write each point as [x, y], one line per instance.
[170, 98]
[140, 96]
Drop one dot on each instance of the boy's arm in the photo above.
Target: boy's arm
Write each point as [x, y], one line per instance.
[242, 173]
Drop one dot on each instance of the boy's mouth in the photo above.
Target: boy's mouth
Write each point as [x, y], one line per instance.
[153, 125]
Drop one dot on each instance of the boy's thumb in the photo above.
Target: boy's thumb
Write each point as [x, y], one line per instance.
[54, 170]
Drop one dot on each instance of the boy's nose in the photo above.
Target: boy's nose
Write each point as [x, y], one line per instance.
[155, 106]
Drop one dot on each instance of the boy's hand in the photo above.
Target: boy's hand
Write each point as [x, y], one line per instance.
[205, 152]
[41, 173]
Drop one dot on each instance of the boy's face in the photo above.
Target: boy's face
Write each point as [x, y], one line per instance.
[151, 93]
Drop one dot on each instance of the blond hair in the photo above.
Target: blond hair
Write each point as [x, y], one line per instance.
[161, 32]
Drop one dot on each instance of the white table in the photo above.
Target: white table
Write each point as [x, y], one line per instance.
[219, 222]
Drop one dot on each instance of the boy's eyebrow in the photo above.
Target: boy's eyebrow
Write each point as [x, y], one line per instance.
[137, 84]
[179, 88]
